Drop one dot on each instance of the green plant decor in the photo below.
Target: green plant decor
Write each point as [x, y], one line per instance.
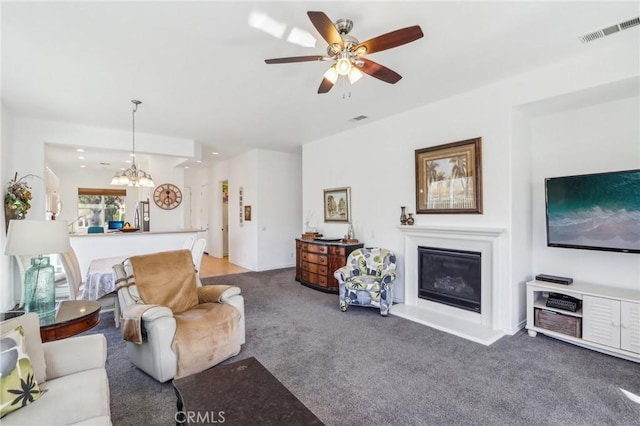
[17, 198]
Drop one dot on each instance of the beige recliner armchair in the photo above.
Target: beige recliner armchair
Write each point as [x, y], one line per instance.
[173, 325]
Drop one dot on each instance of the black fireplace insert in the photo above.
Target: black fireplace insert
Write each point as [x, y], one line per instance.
[452, 277]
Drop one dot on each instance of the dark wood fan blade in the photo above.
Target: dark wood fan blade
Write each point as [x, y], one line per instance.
[378, 71]
[325, 86]
[294, 59]
[392, 39]
[326, 28]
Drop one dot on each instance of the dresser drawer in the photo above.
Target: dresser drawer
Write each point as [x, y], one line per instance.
[315, 258]
[313, 248]
[336, 251]
[322, 280]
[310, 277]
[312, 267]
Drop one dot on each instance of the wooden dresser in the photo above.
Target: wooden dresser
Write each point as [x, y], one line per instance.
[316, 261]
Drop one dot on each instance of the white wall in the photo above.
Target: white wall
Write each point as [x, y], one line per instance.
[272, 187]
[243, 240]
[278, 212]
[377, 160]
[197, 214]
[165, 170]
[598, 138]
[6, 173]
[521, 211]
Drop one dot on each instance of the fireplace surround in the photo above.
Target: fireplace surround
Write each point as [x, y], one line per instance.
[484, 326]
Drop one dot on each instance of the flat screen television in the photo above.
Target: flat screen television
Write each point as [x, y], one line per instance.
[599, 211]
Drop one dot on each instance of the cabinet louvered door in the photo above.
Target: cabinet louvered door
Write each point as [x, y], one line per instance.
[601, 320]
[630, 327]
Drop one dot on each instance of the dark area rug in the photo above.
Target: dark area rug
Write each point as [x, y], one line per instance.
[359, 368]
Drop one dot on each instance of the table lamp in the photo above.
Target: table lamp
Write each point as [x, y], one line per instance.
[38, 238]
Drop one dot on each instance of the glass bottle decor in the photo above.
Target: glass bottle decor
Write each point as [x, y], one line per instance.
[350, 232]
[403, 216]
[410, 219]
[40, 290]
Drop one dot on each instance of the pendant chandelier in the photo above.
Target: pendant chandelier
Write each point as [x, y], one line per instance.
[133, 176]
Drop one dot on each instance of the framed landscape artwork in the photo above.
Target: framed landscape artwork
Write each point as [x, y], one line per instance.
[337, 205]
[449, 178]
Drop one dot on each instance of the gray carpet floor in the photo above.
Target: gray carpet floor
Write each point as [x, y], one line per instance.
[358, 368]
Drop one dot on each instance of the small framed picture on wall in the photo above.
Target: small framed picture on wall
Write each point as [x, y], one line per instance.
[337, 205]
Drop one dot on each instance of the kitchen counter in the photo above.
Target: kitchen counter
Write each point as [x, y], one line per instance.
[112, 233]
[126, 244]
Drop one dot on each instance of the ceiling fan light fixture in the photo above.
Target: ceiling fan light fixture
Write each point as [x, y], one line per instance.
[347, 52]
[343, 66]
[354, 75]
[331, 74]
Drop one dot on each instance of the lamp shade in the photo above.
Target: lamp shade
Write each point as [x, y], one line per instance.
[36, 237]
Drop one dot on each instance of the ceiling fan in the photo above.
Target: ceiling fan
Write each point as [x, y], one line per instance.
[348, 53]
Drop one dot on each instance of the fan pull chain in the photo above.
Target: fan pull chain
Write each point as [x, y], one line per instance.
[346, 94]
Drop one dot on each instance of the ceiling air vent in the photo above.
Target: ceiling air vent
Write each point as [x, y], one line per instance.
[625, 25]
[359, 118]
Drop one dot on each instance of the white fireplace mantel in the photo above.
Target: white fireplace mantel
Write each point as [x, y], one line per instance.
[464, 231]
[485, 327]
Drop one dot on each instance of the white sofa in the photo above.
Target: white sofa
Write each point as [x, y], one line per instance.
[73, 373]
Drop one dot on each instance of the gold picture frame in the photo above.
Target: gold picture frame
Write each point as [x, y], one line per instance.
[337, 205]
[449, 178]
[247, 213]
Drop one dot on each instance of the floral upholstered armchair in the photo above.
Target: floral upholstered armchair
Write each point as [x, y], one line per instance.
[367, 279]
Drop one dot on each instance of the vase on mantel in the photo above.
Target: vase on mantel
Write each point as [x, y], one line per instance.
[410, 219]
[403, 216]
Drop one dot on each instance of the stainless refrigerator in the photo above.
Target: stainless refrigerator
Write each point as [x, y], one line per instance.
[142, 220]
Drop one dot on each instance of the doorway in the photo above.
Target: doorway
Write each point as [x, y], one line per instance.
[225, 218]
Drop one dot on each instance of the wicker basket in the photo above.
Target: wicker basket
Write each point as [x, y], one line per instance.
[554, 321]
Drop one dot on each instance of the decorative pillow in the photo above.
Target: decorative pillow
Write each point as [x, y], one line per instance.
[18, 386]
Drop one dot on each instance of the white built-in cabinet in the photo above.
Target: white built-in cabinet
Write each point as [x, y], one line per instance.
[630, 326]
[602, 324]
[609, 318]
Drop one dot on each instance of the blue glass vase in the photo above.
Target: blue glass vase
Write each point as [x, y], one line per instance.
[40, 288]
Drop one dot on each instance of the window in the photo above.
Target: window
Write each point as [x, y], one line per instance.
[97, 206]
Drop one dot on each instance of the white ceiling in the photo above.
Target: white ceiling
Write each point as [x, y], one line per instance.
[199, 67]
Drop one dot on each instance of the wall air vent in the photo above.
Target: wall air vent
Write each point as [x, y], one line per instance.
[625, 25]
[359, 118]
